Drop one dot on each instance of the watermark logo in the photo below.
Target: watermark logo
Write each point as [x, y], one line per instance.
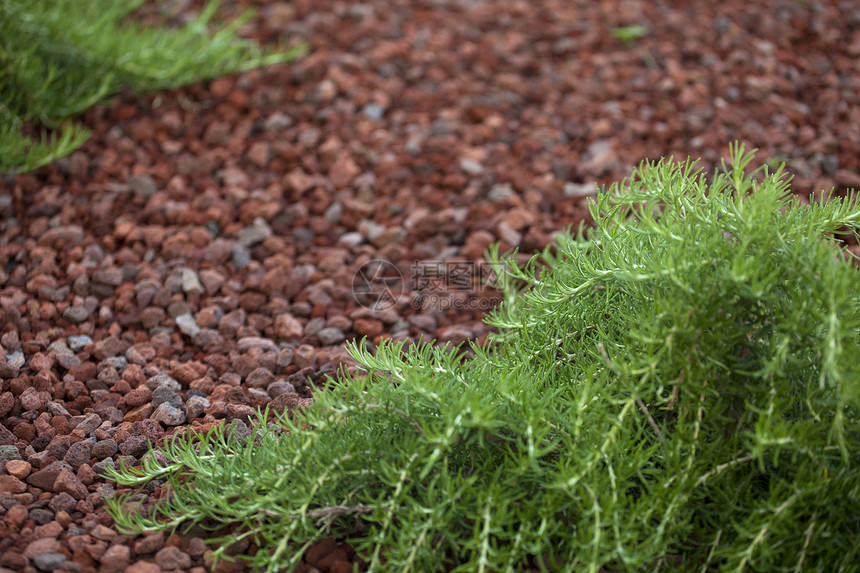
[377, 284]
[453, 276]
[436, 285]
[454, 285]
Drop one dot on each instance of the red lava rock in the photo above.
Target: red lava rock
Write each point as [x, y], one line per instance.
[31, 399]
[88, 424]
[41, 547]
[45, 477]
[305, 356]
[51, 529]
[136, 397]
[16, 515]
[134, 446]
[143, 567]
[343, 170]
[287, 327]
[455, 334]
[14, 561]
[78, 454]
[18, 468]
[62, 503]
[69, 483]
[108, 347]
[67, 234]
[115, 559]
[7, 402]
[477, 244]
[319, 551]
[140, 413]
[95, 549]
[229, 394]
[86, 474]
[103, 533]
[152, 316]
[149, 544]
[11, 484]
[368, 327]
[172, 558]
[240, 412]
[287, 401]
[344, 566]
[259, 378]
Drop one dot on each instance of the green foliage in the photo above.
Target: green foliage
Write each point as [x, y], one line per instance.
[630, 33]
[60, 57]
[677, 391]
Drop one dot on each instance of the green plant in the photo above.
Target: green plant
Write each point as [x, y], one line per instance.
[630, 33]
[677, 391]
[60, 57]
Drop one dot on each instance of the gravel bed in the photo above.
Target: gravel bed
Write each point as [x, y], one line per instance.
[207, 251]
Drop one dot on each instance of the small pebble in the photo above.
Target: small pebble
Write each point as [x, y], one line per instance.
[187, 325]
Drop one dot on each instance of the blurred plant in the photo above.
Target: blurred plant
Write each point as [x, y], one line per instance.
[677, 391]
[777, 161]
[630, 33]
[60, 57]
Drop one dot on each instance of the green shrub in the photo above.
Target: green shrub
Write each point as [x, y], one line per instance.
[60, 57]
[677, 391]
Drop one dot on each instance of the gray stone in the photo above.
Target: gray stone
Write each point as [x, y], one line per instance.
[168, 415]
[239, 430]
[99, 467]
[40, 516]
[142, 185]
[373, 111]
[111, 277]
[471, 167]
[76, 314]
[278, 122]
[9, 452]
[161, 380]
[195, 406]
[329, 336]
[352, 239]
[279, 387]
[106, 490]
[165, 395]
[65, 234]
[49, 561]
[240, 256]
[16, 359]
[191, 282]
[57, 409]
[118, 362]
[68, 361]
[89, 424]
[255, 234]
[78, 454]
[209, 340]
[177, 308]
[334, 212]
[579, 189]
[77, 343]
[259, 378]
[500, 192]
[248, 342]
